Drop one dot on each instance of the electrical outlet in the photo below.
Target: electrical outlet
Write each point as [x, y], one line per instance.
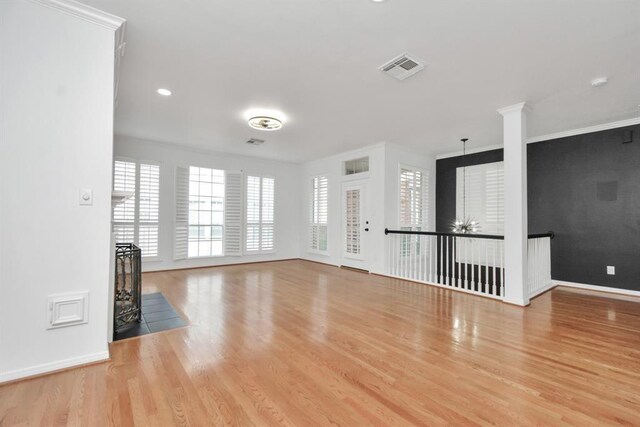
[611, 270]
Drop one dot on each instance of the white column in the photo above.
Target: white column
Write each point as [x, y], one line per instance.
[515, 206]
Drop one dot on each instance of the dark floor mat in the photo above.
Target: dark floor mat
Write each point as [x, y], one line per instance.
[157, 315]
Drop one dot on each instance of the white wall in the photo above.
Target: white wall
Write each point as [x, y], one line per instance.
[56, 102]
[169, 156]
[383, 177]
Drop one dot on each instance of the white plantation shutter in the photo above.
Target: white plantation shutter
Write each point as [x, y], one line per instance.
[414, 185]
[149, 203]
[233, 214]
[182, 214]
[253, 213]
[136, 220]
[319, 214]
[494, 207]
[260, 214]
[124, 214]
[484, 194]
[266, 237]
[485, 204]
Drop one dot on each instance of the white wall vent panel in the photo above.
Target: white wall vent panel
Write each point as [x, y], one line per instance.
[68, 309]
[403, 66]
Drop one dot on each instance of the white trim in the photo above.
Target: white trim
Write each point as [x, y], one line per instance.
[597, 288]
[581, 131]
[470, 151]
[84, 12]
[564, 134]
[53, 366]
[515, 108]
[542, 290]
[356, 153]
[318, 261]
[319, 253]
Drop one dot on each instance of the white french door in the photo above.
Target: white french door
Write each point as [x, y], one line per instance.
[355, 224]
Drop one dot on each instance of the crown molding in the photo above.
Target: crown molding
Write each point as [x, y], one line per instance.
[582, 131]
[120, 138]
[564, 134]
[84, 12]
[345, 154]
[519, 107]
[469, 151]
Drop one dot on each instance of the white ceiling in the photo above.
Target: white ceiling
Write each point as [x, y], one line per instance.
[317, 60]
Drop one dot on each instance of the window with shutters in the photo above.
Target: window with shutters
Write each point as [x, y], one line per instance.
[259, 236]
[414, 187]
[206, 212]
[137, 219]
[484, 203]
[484, 196]
[318, 214]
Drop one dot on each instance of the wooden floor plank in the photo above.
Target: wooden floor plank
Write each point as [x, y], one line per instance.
[300, 343]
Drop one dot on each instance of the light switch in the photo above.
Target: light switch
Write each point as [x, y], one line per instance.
[86, 197]
[611, 270]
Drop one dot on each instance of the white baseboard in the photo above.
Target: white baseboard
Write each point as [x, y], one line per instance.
[53, 366]
[597, 288]
[318, 260]
[541, 291]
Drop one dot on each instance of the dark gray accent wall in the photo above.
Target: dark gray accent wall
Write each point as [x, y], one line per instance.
[585, 188]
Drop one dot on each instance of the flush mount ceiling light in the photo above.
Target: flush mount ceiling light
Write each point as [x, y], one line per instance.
[164, 92]
[600, 81]
[265, 123]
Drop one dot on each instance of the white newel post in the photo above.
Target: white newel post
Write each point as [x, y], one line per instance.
[515, 206]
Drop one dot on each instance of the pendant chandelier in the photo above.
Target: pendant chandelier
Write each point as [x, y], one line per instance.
[465, 225]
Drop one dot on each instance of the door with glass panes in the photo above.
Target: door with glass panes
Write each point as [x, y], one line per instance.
[355, 224]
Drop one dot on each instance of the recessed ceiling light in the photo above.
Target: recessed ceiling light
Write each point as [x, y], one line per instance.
[164, 92]
[377, 1]
[265, 123]
[600, 81]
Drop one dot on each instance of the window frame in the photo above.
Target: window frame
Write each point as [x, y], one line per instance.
[224, 206]
[136, 222]
[245, 226]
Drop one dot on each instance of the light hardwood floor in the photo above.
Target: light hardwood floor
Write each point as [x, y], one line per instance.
[298, 343]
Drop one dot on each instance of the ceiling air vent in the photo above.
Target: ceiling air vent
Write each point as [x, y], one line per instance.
[255, 141]
[403, 66]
